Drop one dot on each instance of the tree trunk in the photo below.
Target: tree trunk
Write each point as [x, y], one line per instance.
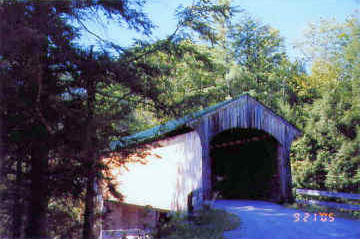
[37, 220]
[89, 216]
[90, 161]
[17, 223]
[3, 133]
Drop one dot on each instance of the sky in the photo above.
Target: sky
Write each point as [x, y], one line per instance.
[290, 17]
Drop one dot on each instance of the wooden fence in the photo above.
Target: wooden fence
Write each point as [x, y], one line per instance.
[345, 196]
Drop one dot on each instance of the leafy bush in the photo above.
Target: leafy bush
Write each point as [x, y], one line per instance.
[205, 224]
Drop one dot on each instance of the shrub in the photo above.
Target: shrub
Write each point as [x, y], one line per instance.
[204, 224]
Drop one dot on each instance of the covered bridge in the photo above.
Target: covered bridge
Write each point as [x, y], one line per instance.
[239, 148]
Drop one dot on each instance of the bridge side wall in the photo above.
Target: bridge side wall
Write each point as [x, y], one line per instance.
[163, 179]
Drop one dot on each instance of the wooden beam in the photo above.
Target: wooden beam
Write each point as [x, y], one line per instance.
[240, 142]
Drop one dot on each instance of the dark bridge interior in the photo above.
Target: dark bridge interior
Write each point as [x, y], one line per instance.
[244, 164]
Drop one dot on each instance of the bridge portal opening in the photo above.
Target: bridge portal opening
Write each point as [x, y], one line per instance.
[245, 165]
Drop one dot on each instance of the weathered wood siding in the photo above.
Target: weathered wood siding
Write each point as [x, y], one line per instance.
[172, 170]
[126, 216]
[246, 112]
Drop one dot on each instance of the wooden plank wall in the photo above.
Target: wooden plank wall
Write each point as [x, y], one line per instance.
[127, 216]
[246, 112]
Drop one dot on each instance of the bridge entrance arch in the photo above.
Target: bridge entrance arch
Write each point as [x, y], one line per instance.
[244, 165]
[247, 113]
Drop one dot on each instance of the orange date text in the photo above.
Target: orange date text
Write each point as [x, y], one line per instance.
[314, 217]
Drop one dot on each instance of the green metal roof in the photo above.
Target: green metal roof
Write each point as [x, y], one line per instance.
[166, 128]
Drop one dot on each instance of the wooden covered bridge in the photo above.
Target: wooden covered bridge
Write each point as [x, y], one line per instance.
[238, 147]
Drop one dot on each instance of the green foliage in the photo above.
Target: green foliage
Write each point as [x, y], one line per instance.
[192, 79]
[257, 47]
[65, 218]
[201, 17]
[63, 104]
[260, 65]
[207, 223]
[327, 157]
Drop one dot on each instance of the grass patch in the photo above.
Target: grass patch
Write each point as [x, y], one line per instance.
[205, 224]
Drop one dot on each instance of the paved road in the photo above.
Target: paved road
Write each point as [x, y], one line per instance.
[263, 220]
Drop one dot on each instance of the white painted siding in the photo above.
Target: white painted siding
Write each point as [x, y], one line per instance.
[172, 170]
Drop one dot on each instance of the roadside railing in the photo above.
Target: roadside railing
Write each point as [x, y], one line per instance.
[125, 234]
[335, 205]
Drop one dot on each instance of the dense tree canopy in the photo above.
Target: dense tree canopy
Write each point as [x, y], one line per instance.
[327, 157]
[61, 104]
